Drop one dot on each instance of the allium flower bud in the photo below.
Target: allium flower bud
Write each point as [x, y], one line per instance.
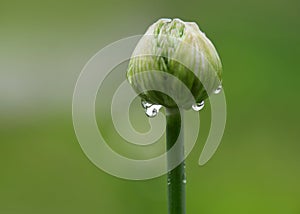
[182, 50]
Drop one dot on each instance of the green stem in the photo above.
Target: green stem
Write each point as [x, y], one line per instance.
[176, 177]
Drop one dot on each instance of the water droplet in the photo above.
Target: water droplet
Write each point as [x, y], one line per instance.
[198, 106]
[169, 181]
[218, 90]
[184, 178]
[145, 104]
[152, 110]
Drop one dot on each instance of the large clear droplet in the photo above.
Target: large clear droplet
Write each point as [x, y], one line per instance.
[146, 104]
[218, 90]
[152, 110]
[198, 106]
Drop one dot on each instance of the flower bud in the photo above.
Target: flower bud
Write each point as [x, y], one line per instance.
[180, 49]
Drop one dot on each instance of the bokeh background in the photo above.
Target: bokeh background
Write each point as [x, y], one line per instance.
[45, 44]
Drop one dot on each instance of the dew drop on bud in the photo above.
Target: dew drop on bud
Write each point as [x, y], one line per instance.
[198, 106]
[145, 104]
[218, 90]
[152, 111]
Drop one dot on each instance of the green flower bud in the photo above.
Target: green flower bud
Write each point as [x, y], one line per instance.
[179, 49]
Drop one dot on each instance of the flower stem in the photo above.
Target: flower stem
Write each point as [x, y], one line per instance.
[176, 177]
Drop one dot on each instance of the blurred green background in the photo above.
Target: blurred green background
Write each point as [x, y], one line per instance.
[45, 44]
